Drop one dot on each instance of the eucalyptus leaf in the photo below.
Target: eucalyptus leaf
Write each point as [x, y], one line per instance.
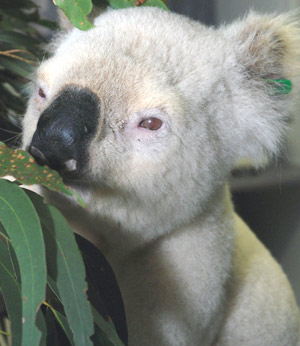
[22, 225]
[62, 321]
[22, 166]
[65, 266]
[41, 324]
[52, 335]
[3, 233]
[14, 261]
[100, 338]
[106, 329]
[11, 292]
[53, 286]
[76, 11]
[133, 3]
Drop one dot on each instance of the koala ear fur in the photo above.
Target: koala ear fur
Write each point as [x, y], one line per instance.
[265, 48]
[270, 44]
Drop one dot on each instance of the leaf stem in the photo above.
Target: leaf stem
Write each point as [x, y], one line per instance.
[10, 54]
[2, 332]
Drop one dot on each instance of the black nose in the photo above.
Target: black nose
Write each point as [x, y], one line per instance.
[65, 130]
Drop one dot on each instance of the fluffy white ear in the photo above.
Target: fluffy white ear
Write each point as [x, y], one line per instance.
[267, 56]
[268, 45]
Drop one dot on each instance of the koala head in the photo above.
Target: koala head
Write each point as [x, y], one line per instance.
[148, 112]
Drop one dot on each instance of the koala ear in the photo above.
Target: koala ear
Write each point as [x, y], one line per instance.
[269, 46]
[267, 56]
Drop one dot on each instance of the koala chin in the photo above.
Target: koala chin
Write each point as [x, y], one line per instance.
[145, 115]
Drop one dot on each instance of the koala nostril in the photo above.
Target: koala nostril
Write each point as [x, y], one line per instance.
[70, 166]
[38, 155]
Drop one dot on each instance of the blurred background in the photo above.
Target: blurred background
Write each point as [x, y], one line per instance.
[268, 200]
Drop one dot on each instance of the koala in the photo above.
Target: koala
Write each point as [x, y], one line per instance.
[145, 115]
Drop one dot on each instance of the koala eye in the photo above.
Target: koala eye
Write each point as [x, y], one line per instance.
[151, 124]
[42, 93]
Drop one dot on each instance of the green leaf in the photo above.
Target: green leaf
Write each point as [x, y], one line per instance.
[10, 290]
[62, 321]
[41, 324]
[106, 329]
[117, 4]
[66, 267]
[133, 3]
[22, 166]
[52, 285]
[14, 261]
[76, 11]
[22, 225]
[52, 337]
[3, 232]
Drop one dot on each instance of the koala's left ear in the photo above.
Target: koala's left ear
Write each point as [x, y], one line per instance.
[267, 53]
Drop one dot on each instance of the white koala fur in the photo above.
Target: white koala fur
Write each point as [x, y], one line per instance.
[158, 206]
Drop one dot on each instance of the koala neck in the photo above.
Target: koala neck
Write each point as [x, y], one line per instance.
[198, 253]
[213, 224]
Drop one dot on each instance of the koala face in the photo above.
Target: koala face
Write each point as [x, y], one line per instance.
[148, 111]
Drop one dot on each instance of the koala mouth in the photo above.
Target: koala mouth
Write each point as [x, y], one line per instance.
[65, 130]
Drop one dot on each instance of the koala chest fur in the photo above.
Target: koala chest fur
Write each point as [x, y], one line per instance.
[145, 115]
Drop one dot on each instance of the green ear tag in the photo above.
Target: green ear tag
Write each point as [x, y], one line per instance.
[280, 86]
